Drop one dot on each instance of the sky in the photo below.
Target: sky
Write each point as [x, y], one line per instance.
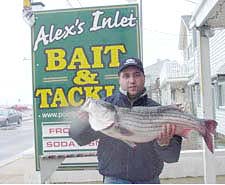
[161, 23]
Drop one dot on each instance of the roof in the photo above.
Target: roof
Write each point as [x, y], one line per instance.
[184, 31]
[210, 13]
[186, 19]
[194, 80]
[155, 69]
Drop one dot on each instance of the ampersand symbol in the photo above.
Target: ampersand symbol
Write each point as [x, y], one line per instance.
[84, 77]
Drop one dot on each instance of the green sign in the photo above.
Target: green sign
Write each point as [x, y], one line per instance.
[76, 53]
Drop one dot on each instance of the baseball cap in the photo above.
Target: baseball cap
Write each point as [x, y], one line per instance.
[131, 62]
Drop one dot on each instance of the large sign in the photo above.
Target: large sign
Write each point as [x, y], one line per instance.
[76, 53]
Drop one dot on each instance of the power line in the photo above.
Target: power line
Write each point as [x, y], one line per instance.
[79, 3]
[69, 3]
[166, 33]
[191, 1]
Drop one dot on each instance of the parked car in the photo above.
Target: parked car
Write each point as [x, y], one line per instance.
[10, 116]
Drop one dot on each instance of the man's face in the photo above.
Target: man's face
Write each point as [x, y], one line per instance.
[132, 80]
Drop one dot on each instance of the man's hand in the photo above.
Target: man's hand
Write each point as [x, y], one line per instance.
[167, 133]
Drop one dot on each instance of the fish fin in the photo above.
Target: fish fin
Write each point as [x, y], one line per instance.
[118, 128]
[209, 141]
[210, 129]
[124, 131]
[130, 143]
[183, 132]
[167, 108]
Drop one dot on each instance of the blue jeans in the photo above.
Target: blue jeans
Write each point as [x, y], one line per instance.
[115, 180]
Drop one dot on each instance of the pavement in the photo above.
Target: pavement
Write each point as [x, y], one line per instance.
[15, 169]
[21, 170]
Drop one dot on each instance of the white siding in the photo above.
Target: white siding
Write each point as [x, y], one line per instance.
[220, 118]
[199, 112]
[217, 59]
[217, 51]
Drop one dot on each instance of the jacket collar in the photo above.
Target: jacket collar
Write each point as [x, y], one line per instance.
[144, 94]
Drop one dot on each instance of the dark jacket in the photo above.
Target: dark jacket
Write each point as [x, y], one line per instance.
[143, 162]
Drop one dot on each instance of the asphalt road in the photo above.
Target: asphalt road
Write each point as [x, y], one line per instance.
[15, 140]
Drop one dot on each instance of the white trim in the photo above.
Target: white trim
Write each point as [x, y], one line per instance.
[201, 13]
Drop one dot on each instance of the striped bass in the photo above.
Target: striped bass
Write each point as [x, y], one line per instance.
[141, 124]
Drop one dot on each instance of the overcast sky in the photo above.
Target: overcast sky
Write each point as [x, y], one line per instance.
[161, 22]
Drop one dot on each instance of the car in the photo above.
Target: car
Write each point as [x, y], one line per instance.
[10, 116]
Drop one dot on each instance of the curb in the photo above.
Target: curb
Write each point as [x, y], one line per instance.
[27, 152]
[27, 118]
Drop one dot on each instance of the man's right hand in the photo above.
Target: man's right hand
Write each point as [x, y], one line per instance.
[166, 135]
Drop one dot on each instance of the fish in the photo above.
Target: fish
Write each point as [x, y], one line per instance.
[141, 124]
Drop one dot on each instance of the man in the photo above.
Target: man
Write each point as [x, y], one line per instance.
[120, 163]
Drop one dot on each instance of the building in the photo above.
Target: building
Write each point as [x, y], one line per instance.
[152, 82]
[189, 44]
[173, 84]
[166, 82]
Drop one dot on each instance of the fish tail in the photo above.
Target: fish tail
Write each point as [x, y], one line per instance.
[210, 128]
[209, 141]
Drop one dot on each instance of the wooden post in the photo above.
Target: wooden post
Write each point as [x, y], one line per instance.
[206, 99]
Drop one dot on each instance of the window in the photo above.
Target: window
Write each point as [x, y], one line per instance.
[194, 38]
[198, 95]
[221, 94]
[189, 52]
[173, 95]
[186, 55]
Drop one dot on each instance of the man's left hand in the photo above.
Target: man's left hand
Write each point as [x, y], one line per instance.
[167, 133]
